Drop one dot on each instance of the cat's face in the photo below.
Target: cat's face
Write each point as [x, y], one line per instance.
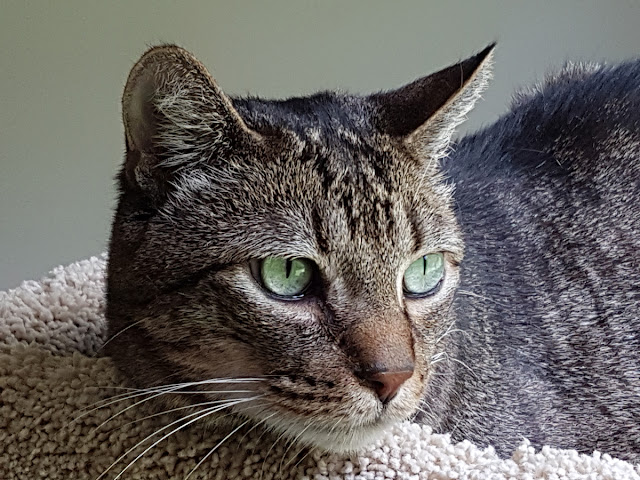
[222, 200]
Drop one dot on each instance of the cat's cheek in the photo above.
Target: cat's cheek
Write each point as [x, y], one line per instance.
[218, 359]
[431, 318]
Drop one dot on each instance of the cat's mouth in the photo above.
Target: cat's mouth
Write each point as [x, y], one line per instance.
[336, 426]
[328, 408]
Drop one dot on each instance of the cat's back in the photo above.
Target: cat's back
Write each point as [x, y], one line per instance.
[581, 125]
[560, 174]
[549, 202]
[563, 164]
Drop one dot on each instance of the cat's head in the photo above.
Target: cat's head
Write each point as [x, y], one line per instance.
[304, 250]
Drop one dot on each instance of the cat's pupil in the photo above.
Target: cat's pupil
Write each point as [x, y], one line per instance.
[288, 268]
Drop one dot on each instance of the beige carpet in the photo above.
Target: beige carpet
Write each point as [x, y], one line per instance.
[54, 402]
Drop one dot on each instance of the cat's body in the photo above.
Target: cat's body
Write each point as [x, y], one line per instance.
[531, 330]
[548, 199]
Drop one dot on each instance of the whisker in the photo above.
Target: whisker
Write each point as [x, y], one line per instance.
[256, 425]
[437, 356]
[215, 448]
[178, 392]
[258, 405]
[213, 402]
[453, 359]
[449, 332]
[116, 335]
[188, 384]
[264, 430]
[105, 403]
[335, 425]
[205, 414]
[150, 390]
[291, 445]
[292, 442]
[303, 457]
[464, 365]
[199, 415]
[119, 397]
[173, 389]
[129, 395]
[269, 451]
[152, 435]
[430, 413]
[132, 406]
[482, 297]
[439, 339]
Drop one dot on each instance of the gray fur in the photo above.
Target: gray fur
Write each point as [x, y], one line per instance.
[526, 336]
[549, 302]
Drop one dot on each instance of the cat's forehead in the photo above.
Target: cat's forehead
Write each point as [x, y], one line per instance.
[336, 185]
[333, 139]
[327, 119]
[337, 155]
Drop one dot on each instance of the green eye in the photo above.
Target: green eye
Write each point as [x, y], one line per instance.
[287, 277]
[424, 275]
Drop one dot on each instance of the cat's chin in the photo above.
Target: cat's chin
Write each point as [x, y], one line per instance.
[349, 440]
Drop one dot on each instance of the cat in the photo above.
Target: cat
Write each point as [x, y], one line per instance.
[328, 265]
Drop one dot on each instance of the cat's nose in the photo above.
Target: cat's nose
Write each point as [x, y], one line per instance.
[387, 383]
[380, 347]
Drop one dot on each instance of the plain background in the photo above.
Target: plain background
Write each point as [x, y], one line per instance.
[63, 66]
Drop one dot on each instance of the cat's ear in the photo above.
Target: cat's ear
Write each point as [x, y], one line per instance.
[175, 116]
[426, 112]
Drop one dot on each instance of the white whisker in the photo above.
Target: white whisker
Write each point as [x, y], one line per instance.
[215, 448]
[213, 402]
[482, 297]
[430, 413]
[152, 435]
[256, 425]
[449, 332]
[292, 442]
[439, 339]
[199, 415]
[132, 406]
[188, 384]
[116, 335]
[105, 403]
[437, 356]
[166, 388]
[269, 451]
[453, 359]
[303, 457]
[173, 389]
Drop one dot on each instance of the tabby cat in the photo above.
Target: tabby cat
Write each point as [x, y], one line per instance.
[314, 253]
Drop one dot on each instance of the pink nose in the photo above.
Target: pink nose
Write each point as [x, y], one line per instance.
[386, 384]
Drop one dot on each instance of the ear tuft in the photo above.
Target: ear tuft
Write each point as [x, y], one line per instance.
[426, 112]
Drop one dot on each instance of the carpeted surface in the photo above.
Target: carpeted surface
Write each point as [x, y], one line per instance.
[59, 418]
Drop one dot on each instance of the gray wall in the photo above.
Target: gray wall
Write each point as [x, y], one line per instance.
[63, 65]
